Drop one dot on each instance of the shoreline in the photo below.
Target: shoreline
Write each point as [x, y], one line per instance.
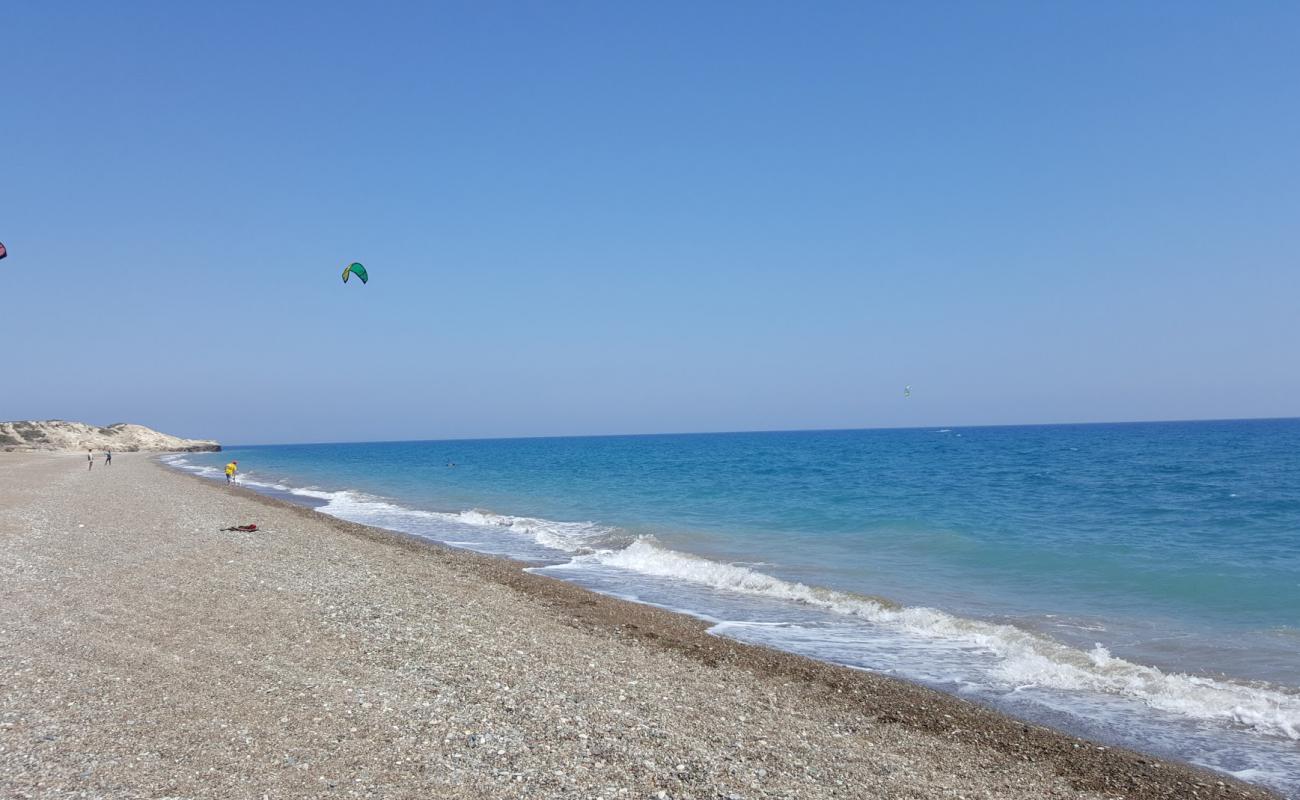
[863, 704]
[688, 635]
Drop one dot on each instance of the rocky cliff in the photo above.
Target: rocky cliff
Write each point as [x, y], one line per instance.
[123, 437]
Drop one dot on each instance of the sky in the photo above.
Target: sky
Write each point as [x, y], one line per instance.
[591, 217]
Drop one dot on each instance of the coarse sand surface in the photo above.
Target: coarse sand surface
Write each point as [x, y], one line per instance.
[146, 653]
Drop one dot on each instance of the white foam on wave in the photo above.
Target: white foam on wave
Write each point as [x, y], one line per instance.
[249, 480]
[1023, 659]
[318, 494]
[1020, 659]
[197, 469]
[204, 471]
[369, 509]
[569, 537]
[565, 537]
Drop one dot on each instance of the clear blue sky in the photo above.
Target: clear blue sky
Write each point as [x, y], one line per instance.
[613, 217]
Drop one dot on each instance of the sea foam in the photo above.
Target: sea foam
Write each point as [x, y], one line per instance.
[995, 658]
[1024, 658]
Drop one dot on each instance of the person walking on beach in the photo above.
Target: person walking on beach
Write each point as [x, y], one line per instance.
[90, 460]
[231, 469]
[108, 458]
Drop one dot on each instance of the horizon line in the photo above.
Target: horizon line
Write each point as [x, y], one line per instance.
[771, 431]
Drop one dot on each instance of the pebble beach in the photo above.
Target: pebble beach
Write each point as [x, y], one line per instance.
[144, 652]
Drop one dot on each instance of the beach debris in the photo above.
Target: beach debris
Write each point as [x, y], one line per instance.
[907, 391]
[250, 528]
[355, 269]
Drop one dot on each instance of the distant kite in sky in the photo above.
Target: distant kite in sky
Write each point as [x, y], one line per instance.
[3, 251]
[355, 269]
[907, 391]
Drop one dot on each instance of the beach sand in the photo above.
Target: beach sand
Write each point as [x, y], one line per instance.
[144, 653]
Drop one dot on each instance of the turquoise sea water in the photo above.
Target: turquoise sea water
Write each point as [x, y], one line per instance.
[1136, 583]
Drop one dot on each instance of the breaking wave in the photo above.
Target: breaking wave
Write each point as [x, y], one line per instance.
[1017, 658]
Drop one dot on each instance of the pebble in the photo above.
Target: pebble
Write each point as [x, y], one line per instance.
[318, 620]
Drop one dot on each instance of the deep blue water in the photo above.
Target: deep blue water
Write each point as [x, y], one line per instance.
[1138, 583]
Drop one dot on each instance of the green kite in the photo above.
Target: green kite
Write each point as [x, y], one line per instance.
[355, 269]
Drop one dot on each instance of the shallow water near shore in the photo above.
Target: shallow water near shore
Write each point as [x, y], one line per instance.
[1138, 583]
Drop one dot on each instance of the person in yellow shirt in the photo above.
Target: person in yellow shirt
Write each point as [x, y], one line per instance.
[231, 469]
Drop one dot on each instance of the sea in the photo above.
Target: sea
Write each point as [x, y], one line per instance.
[1137, 584]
